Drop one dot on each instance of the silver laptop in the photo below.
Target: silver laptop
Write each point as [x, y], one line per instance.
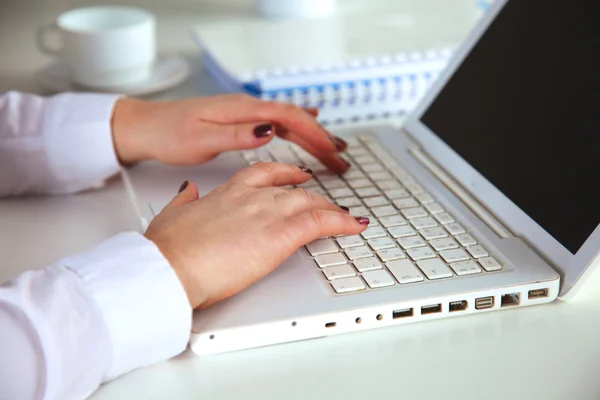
[486, 200]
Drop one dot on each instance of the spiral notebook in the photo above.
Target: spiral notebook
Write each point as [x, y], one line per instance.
[361, 66]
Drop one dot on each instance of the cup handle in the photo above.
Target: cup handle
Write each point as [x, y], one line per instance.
[41, 39]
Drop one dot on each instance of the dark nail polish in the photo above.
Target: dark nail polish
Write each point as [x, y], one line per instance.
[183, 186]
[344, 208]
[340, 143]
[305, 170]
[263, 130]
[363, 220]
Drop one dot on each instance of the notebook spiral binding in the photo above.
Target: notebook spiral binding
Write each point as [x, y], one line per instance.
[352, 91]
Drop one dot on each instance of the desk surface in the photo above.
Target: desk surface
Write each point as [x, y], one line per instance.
[545, 352]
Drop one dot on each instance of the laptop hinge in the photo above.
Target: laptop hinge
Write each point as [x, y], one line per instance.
[459, 191]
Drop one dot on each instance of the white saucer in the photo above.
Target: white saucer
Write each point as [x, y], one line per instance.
[169, 71]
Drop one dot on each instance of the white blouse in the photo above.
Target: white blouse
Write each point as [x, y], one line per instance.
[96, 315]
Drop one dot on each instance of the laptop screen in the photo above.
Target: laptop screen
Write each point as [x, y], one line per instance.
[523, 109]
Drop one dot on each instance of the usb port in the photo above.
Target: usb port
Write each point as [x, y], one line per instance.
[431, 309]
[406, 312]
[510, 300]
[330, 325]
[538, 293]
[484, 302]
[457, 305]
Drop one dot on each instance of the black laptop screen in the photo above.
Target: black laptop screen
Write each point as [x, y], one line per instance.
[524, 110]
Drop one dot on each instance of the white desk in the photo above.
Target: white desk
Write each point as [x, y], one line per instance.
[544, 352]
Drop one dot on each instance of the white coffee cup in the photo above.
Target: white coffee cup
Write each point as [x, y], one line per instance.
[104, 46]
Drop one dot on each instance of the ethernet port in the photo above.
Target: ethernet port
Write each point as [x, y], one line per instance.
[510, 300]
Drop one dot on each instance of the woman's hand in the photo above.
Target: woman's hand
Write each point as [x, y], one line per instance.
[194, 131]
[222, 243]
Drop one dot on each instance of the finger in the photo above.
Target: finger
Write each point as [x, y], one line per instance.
[298, 200]
[242, 108]
[217, 138]
[188, 193]
[314, 111]
[313, 224]
[264, 174]
[333, 161]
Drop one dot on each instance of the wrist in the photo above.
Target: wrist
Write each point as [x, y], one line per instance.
[128, 115]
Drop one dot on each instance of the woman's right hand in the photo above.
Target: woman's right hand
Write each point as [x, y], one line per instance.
[225, 241]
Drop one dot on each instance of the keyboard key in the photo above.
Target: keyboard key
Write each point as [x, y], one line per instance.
[380, 176]
[388, 185]
[367, 264]
[321, 246]
[415, 212]
[425, 198]
[326, 176]
[317, 190]
[490, 264]
[420, 253]
[373, 232]
[339, 271]
[434, 208]
[353, 173]
[401, 231]
[384, 211]
[349, 241]
[358, 211]
[372, 220]
[357, 151]
[433, 233]
[454, 255]
[372, 167]
[381, 243]
[376, 201]
[422, 223]
[414, 188]
[352, 141]
[364, 159]
[359, 183]
[367, 192]
[354, 253]
[327, 260]
[466, 240]
[443, 244]
[404, 271]
[351, 201]
[406, 202]
[394, 194]
[411, 241]
[334, 184]
[394, 253]
[465, 268]
[340, 192]
[434, 269]
[377, 279]
[346, 285]
[444, 218]
[455, 229]
[477, 251]
[392, 220]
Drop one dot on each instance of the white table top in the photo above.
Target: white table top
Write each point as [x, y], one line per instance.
[543, 352]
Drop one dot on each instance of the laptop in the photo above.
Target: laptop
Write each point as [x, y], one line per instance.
[485, 200]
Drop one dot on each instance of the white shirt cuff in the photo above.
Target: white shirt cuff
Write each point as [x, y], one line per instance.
[79, 143]
[143, 302]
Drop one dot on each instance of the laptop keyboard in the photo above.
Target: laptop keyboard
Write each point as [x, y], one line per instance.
[411, 237]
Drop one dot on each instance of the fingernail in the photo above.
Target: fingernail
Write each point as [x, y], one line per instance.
[263, 130]
[344, 208]
[345, 162]
[340, 143]
[183, 186]
[363, 220]
[305, 170]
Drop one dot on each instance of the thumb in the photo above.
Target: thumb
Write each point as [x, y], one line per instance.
[188, 193]
[223, 137]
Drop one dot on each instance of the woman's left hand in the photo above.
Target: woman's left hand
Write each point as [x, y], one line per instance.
[197, 130]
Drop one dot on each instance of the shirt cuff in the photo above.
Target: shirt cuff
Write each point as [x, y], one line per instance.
[144, 305]
[79, 144]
